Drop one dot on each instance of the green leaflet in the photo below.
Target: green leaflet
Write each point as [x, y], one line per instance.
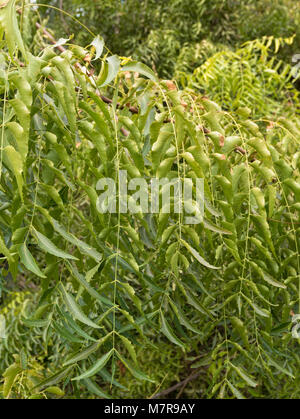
[210, 226]
[266, 277]
[167, 331]
[103, 107]
[35, 323]
[196, 255]
[131, 292]
[264, 230]
[65, 68]
[10, 375]
[164, 167]
[235, 391]
[101, 125]
[98, 44]
[95, 389]
[23, 359]
[129, 124]
[29, 262]
[90, 274]
[241, 329]
[74, 326]
[161, 145]
[53, 193]
[272, 199]
[279, 367]
[230, 143]
[95, 137]
[75, 310]
[197, 305]
[193, 164]
[45, 244]
[55, 378]
[141, 68]
[134, 371]
[261, 312]
[23, 115]
[84, 354]
[135, 154]
[64, 333]
[260, 146]
[182, 318]
[259, 197]
[4, 250]
[129, 346]
[24, 89]
[244, 376]
[85, 248]
[87, 286]
[96, 367]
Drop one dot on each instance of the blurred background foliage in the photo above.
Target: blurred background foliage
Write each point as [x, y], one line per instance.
[175, 34]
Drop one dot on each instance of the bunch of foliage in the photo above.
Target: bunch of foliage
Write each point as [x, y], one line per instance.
[225, 292]
[253, 76]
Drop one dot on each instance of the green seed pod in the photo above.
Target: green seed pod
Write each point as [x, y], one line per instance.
[51, 137]
[174, 263]
[135, 154]
[184, 262]
[294, 186]
[260, 199]
[217, 138]
[167, 234]
[23, 87]
[78, 51]
[164, 167]
[131, 169]
[171, 152]
[289, 126]
[231, 143]
[161, 145]
[18, 132]
[212, 120]
[193, 164]
[260, 146]
[46, 71]
[200, 157]
[170, 251]
[210, 106]
[252, 127]
[191, 233]
[226, 186]
[48, 54]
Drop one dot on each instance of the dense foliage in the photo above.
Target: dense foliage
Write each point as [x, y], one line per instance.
[124, 305]
[175, 33]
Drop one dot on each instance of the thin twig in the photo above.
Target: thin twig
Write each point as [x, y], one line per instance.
[178, 385]
[62, 17]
